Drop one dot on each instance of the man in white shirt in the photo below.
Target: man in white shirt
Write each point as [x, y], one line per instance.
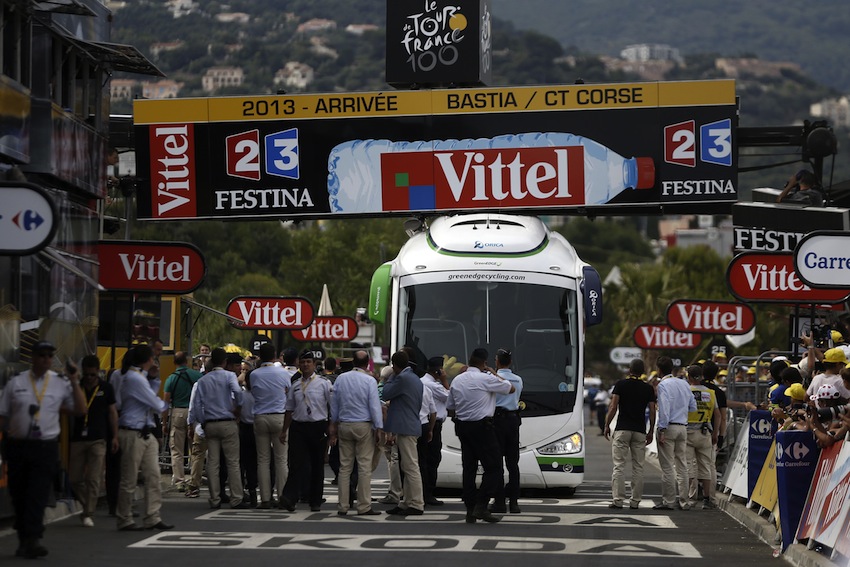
[436, 381]
[472, 403]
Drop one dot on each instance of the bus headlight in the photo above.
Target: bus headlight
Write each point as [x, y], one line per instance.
[565, 446]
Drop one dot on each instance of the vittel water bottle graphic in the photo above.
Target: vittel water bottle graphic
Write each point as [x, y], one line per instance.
[523, 170]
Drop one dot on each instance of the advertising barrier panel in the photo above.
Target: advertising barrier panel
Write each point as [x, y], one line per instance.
[735, 476]
[761, 429]
[835, 508]
[818, 492]
[764, 492]
[336, 155]
[796, 459]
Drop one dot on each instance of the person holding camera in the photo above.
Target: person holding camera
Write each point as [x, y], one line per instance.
[802, 188]
[30, 405]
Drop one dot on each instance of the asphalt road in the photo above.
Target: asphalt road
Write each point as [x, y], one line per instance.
[550, 530]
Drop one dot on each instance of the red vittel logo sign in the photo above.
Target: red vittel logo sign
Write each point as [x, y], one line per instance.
[710, 317]
[263, 312]
[154, 267]
[660, 336]
[328, 329]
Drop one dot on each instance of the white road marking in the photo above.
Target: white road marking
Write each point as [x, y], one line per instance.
[359, 542]
[611, 520]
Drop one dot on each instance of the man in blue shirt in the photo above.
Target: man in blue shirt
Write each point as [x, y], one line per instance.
[218, 399]
[355, 420]
[507, 422]
[403, 391]
[675, 400]
[270, 385]
[139, 447]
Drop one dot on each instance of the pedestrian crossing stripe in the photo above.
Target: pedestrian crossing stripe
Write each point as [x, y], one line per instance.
[417, 542]
[611, 520]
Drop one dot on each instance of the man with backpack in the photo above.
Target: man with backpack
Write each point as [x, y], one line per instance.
[178, 390]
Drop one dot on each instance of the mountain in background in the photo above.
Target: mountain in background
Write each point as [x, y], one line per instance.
[262, 38]
[815, 35]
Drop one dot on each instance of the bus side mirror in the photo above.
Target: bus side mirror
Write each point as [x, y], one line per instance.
[591, 289]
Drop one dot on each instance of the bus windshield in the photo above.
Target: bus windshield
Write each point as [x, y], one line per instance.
[537, 322]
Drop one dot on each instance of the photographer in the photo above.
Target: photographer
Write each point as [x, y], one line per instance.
[802, 188]
[830, 422]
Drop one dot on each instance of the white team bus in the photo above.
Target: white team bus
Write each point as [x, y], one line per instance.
[500, 281]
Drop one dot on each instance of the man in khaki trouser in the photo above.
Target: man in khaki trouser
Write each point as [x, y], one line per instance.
[139, 448]
[270, 385]
[177, 392]
[89, 438]
[356, 419]
[218, 399]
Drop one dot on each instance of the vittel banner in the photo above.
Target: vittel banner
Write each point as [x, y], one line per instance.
[328, 329]
[710, 317]
[591, 148]
[151, 267]
[770, 278]
[660, 336]
[271, 312]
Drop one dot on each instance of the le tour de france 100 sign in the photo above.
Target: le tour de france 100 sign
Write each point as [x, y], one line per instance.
[601, 149]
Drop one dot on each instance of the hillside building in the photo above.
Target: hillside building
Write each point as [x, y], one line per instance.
[161, 89]
[316, 25]
[122, 89]
[752, 67]
[294, 75]
[651, 52]
[157, 48]
[218, 77]
[836, 110]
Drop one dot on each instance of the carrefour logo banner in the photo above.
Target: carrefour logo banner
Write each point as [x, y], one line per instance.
[532, 149]
[761, 431]
[797, 456]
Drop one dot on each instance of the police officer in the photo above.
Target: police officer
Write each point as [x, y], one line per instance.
[218, 398]
[472, 403]
[506, 419]
[139, 447]
[269, 386]
[306, 425]
[29, 416]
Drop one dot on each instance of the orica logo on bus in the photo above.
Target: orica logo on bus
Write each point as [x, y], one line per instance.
[479, 244]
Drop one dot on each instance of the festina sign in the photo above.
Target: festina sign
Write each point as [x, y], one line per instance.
[150, 267]
[660, 336]
[264, 312]
[541, 148]
[710, 317]
[328, 329]
[769, 278]
[822, 259]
